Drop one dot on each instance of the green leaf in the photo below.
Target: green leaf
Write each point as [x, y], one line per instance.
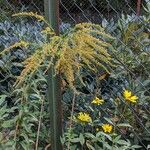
[100, 134]
[90, 146]
[73, 147]
[82, 139]
[117, 138]
[122, 142]
[8, 123]
[2, 99]
[75, 140]
[108, 120]
[24, 146]
[108, 146]
[136, 146]
[148, 146]
[90, 135]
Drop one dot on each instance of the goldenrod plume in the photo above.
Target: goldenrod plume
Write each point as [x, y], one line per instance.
[83, 46]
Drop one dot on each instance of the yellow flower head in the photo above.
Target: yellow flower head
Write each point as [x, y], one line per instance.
[48, 30]
[107, 128]
[18, 44]
[129, 96]
[31, 14]
[24, 44]
[97, 101]
[84, 117]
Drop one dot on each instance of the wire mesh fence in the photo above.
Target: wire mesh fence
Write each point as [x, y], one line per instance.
[128, 22]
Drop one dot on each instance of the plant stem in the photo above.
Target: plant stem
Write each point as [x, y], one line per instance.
[39, 125]
[72, 111]
[54, 81]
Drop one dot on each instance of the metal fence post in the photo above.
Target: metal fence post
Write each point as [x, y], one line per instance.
[138, 9]
[54, 82]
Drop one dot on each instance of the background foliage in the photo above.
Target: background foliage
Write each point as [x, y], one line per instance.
[24, 121]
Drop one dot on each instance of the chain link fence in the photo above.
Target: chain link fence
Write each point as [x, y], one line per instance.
[126, 20]
[76, 10]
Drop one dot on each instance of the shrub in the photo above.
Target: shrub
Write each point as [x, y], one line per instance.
[108, 110]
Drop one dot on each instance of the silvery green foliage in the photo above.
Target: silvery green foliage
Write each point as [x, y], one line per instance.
[109, 88]
[10, 98]
[64, 27]
[11, 32]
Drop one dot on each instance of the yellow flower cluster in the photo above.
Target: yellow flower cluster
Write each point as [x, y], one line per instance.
[97, 129]
[84, 117]
[97, 101]
[18, 44]
[107, 128]
[24, 44]
[34, 62]
[47, 31]
[129, 96]
[81, 38]
[69, 50]
[30, 14]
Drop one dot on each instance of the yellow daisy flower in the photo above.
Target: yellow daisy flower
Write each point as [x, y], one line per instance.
[107, 128]
[129, 96]
[97, 101]
[134, 98]
[84, 117]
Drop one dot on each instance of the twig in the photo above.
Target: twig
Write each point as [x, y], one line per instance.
[39, 125]
[72, 112]
[46, 148]
[138, 9]
[16, 130]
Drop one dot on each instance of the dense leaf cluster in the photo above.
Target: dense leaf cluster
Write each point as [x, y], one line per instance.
[24, 121]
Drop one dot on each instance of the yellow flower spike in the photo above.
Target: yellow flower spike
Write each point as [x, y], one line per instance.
[47, 31]
[84, 117]
[107, 128]
[30, 14]
[97, 101]
[24, 44]
[69, 52]
[129, 96]
[18, 44]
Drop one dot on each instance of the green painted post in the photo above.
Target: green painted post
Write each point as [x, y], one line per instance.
[54, 81]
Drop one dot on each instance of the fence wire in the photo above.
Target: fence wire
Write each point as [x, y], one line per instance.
[105, 12]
